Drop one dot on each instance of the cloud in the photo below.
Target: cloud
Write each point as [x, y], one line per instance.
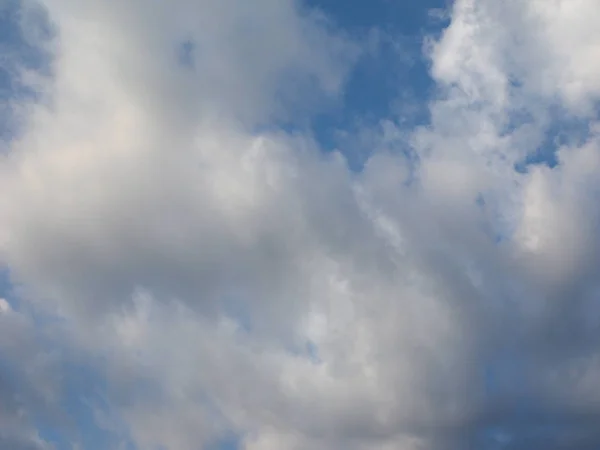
[222, 278]
[543, 47]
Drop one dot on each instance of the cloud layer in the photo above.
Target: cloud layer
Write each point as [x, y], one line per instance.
[215, 279]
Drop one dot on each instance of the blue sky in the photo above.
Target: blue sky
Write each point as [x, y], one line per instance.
[395, 69]
[373, 231]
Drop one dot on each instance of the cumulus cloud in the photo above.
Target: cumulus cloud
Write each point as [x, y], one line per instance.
[230, 282]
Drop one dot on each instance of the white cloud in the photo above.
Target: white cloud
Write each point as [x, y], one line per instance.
[232, 280]
[550, 48]
[4, 306]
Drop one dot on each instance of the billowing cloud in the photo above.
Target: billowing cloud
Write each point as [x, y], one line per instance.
[225, 282]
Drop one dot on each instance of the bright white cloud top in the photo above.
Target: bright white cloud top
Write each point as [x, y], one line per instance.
[194, 274]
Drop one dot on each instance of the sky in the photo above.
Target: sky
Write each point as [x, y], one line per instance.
[299, 225]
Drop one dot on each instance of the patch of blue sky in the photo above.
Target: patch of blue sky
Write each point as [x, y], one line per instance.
[12, 292]
[389, 82]
[236, 308]
[12, 374]
[505, 375]
[229, 442]
[408, 16]
[6, 289]
[308, 350]
[185, 54]
[53, 435]
[495, 438]
[563, 130]
[506, 383]
[17, 394]
[20, 33]
[392, 81]
[312, 352]
[21, 42]
[84, 402]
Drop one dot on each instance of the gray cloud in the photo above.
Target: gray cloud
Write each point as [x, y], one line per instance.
[229, 280]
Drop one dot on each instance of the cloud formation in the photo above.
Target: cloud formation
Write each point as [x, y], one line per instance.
[227, 282]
